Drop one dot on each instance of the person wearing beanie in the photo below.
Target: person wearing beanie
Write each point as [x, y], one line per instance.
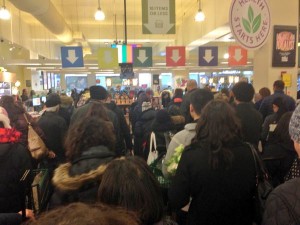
[294, 130]
[54, 127]
[98, 95]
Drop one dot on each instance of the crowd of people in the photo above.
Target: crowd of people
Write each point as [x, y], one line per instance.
[97, 162]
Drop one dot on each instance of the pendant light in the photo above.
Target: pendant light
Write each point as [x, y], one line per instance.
[199, 17]
[4, 13]
[99, 15]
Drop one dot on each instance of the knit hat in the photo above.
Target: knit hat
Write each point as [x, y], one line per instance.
[98, 92]
[52, 100]
[162, 116]
[294, 127]
[146, 106]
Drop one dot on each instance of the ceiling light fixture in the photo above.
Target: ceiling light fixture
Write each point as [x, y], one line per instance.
[4, 13]
[199, 17]
[99, 15]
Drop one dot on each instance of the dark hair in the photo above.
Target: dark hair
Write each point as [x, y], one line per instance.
[264, 92]
[87, 133]
[278, 85]
[225, 91]
[199, 98]
[143, 98]
[243, 91]
[218, 125]
[129, 183]
[279, 102]
[13, 109]
[165, 98]
[97, 109]
[83, 214]
[178, 93]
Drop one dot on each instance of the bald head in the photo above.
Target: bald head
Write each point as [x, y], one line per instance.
[191, 84]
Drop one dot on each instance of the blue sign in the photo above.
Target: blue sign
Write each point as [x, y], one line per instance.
[208, 56]
[71, 57]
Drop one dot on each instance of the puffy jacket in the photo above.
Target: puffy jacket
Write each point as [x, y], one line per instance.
[79, 180]
[282, 203]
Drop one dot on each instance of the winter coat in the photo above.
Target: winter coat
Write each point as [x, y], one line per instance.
[142, 132]
[14, 161]
[10, 219]
[222, 196]
[282, 203]
[124, 129]
[79, 180]
[54, 128]
[251, 121]
[184, 138]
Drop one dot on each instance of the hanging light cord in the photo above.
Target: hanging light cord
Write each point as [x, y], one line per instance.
[99, 7]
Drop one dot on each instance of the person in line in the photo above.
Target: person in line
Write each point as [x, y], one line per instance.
[191, 86]
[83, 214]
[266, 105]
[177, 97]
[54, 128]
[24, 96]
[199, 98]
[14, 162]
[251, 119]
[89, 146]
[283, 204]
[262, 93]
[129, 183]
[99, 94]
[217, 171]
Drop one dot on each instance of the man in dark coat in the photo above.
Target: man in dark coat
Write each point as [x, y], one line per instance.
[185, 105]
[251, 119]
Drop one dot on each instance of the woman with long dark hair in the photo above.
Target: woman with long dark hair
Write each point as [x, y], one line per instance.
[217, 171]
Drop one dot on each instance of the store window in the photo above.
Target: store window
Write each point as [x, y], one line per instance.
[145, 80]
[78, 81]
[166, 80]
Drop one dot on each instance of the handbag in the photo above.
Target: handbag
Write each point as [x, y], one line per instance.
[263, 186]
[36, 145]
[153, 154]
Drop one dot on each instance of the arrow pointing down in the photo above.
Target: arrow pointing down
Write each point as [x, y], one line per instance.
[208, 55]
[142, 56]
[72, 56]
[175, 55]
[238, 54]
[107, 57]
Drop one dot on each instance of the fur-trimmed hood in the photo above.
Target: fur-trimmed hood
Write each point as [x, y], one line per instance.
[64, 182]
[85, 169]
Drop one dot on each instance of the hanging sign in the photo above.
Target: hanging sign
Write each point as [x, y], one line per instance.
[71, 57]
[284, 46]
[142, 57]
[158, 16]
[250, 22]
[208, 56]
[237, 56]
[108, 58]
[175, 56]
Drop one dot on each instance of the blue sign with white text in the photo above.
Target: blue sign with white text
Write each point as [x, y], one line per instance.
[71, 57]
[208, 56]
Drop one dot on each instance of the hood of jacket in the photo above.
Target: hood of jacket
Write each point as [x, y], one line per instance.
[177, 120]
[111, 105]
[88, 167]
[149, 114]
[190, 126]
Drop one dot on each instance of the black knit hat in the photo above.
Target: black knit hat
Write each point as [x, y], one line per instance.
[52, 100]
[98, 92]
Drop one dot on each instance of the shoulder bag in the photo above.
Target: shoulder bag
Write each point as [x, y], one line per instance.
[36, 145]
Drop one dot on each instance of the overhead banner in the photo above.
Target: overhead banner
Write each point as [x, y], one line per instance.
[284, 46]
[250, 22]
[158, 16]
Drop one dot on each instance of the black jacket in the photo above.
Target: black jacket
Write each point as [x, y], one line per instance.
[14, 160]
[124, 129]
[221, 196]
[79, 180]
[251, 121]
[281, 202]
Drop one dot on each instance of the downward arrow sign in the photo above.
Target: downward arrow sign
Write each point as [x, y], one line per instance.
[175, 55]
[107, 57]
[238, 54]
[142, 56]
[72, 56]
[208, 55]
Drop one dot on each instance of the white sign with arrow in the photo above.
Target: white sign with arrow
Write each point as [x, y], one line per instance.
[208, 55]
[72, 56]
[159, 16]
[175, 55]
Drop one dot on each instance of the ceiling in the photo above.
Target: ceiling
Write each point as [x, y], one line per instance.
[78, 16]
